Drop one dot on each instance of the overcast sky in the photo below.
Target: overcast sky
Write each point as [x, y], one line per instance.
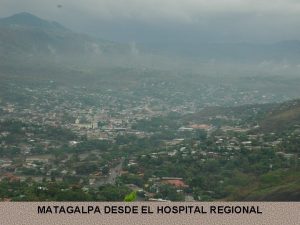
[170, 20]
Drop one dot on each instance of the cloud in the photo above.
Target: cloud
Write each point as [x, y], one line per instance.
[156, 10]
[183, 10]
[235, 18]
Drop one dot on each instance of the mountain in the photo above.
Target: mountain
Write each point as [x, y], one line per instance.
[24, 35]
[25, 19]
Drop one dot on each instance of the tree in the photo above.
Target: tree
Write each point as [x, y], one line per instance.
[130, 197]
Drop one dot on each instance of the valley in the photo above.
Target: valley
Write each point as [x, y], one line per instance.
[84, 119]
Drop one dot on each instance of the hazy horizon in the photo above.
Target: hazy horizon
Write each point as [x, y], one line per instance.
[159, 22]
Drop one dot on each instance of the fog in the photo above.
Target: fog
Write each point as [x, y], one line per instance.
[168, 21]
[219, 38]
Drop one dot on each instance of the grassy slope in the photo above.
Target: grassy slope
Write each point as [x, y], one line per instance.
[284, 187]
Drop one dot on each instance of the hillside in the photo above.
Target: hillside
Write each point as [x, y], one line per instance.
[25, 35]
[272, 117]
[282, 117]
[276, 186]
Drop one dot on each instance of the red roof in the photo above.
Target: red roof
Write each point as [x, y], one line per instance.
[175, 182]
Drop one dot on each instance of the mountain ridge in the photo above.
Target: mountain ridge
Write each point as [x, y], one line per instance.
[26, 19]
[26, 35]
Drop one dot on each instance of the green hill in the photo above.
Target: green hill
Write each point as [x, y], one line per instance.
[276, 186]
[282, 117]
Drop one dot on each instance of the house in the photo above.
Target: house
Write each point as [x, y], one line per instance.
[174, 181]
[205, 127]
[182, 129]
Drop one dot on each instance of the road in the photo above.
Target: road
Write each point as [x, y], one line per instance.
[113, 174]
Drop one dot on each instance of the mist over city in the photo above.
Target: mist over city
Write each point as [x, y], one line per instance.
[149, 100]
